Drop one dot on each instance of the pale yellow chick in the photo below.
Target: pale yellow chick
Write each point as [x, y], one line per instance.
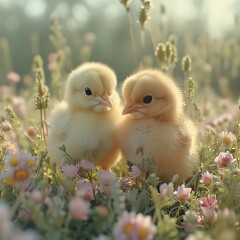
[85, 122]
[155, 125]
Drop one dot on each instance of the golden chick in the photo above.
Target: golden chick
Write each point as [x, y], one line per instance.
[155, 126]
[85, 122]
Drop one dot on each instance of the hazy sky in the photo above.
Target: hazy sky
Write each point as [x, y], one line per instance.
[218, 15]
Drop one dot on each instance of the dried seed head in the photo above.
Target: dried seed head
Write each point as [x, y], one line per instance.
[160, 52]
[186, 64]
[41, 89]
[169, 50]
[190, 89]
[125, 3]
[162, 9]
[143, 16]
[173, 58]
[147, 4]
[173, 40]
[37, 63]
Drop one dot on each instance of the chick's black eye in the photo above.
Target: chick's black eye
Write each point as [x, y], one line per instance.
[147, 99]
[88, 91]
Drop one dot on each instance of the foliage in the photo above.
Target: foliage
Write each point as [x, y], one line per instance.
[40, 200]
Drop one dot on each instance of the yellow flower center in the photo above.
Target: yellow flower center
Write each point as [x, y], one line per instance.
[21, 175]
[10, 181]
[226, 140]
[142, 233]
[13, 161]
[30, 163]
[127, 228]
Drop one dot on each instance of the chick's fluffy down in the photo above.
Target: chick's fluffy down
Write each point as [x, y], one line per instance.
[85, 122]
[154, 125]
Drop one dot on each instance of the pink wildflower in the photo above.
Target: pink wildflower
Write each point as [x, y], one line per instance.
[102, 211]
[37, 196]
[228, 138]
[183, 193]
[31, 132]
[13, 77]
[224, 159]
[24, 215]
[191, 219]
[70, 171]
[87, 165]
[206, 178]
[208, 206]
[6, 126]
[79, 208]
[135, 171]
[19, 107]
[166, 189]
[106, 179]
[85, 189]
[208, 201]
[132, 226]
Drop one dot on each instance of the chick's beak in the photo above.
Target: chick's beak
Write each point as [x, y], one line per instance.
[105, 100]
[129, 107]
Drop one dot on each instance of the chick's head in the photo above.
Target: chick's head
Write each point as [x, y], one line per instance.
[150, 93]
[90, 87]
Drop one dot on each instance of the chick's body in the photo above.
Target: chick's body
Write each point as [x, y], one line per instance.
[85, 122]
[155, 126]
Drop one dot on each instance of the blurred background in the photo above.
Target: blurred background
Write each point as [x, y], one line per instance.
[109, 32]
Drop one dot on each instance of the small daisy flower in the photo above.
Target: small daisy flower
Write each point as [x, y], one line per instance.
[228, 138]
[224, 159]
[70, 171]
[79, 208]
[206, 178]
[20, 166]
[183, 193]
[87, 165]
[106, 179]
[132, 226]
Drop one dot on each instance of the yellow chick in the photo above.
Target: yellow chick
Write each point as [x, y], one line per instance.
[154, 125]
[85, 122]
